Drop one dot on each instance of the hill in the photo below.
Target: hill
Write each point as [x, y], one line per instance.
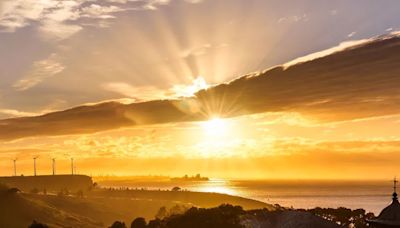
[100, 207]
[49, 182]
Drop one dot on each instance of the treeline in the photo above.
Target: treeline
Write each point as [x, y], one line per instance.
[223, 216]
[229, 216]
[345, 217]
[232, 216]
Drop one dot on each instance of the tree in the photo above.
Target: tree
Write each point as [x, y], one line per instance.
[13, 191]
[222, 216]
[79, 194]
[177, 209]
[156, 223]
[162, 212]
[37, 225]
[139, 223]
[118, 224]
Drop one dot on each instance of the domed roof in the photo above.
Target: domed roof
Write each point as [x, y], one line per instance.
[391, 214]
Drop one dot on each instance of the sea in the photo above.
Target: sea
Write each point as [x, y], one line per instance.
[372, 196]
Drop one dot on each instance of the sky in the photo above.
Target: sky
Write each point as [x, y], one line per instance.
[175, 68]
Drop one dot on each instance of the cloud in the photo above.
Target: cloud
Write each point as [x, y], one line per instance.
[351, 34]
[151, 93]
[17, 14]
[50, 14]
[17, 113]
[98, 11]
[138, 93]
[342, 46]
[154, 4]
[57, 18]
[58, 31]
[189, 90]
[351, 83]
[294, 19]
[60, 19]
[40, 71]
[197, 51]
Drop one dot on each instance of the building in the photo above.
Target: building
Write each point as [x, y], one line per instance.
[390, 216]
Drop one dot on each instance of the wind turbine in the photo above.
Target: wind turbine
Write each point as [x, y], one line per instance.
[72, 166]
[15, 166]
[54, 166]
[34, 165]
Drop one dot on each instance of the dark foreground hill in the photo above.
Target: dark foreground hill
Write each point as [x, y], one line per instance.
[100, 207]
[228, 216]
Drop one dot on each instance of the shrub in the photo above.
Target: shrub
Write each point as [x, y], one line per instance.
[139, 223]
[118, 224]
[34, 191]
[37, 225]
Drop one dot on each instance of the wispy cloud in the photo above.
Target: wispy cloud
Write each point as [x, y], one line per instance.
[342, 46]
[137, 93]
[98, 11]
[17, 113]
[40, 70]
[60, 18]
[351, 34]
[152, 93]
[294, 19]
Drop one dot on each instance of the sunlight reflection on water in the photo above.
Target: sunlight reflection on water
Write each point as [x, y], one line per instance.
[214, 185]
[372, 196]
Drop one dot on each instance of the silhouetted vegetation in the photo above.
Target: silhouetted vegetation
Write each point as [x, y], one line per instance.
[229, 216]
[118, 224]
[343, 216]
[79, 194]
[139, 223]
[63, 192]
[13, 191]
[223, 216]
[37, 225]
[34, 191]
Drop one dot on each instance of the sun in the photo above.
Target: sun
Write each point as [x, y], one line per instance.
[215, 127]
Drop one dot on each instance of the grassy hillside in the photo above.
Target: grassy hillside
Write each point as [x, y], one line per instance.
[49, 182]
[200, 199]
[100, 207]
[19, 210]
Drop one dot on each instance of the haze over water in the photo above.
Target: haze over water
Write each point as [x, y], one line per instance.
[372, 196]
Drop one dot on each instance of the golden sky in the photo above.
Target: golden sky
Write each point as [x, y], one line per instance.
[165, 87]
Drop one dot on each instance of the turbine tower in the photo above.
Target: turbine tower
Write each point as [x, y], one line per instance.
[72, 166]
[54, 166]
[15, 167]
[34, 165]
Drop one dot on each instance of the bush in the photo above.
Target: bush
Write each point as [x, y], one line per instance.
[139, 223]
[162, 213]
[37, 225]
[223, 216]
[156, 223]
[79, 194]
[344, 216]
[118, 224]
[34, 191]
